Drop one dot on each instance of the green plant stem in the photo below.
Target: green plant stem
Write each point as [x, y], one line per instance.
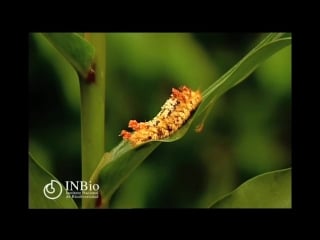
[93, 113]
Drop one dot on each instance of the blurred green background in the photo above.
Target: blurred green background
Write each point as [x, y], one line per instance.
[247, 133]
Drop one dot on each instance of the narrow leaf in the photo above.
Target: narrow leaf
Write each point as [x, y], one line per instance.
[76, 49]
[268, 190]
[39, 178]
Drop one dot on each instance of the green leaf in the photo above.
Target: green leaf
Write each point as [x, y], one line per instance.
[268, 190]
[116, 166]
[38, 179]
[77, 50]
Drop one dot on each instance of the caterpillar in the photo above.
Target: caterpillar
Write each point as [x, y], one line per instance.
[173, 114]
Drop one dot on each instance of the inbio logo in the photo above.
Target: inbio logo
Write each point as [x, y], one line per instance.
[52, 190]
[73, 189]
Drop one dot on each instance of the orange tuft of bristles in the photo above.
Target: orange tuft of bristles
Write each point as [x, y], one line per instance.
[125, 134]
[134, 125]
[173, 115]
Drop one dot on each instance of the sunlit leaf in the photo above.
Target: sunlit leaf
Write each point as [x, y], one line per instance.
[268, 190]
[38, 180]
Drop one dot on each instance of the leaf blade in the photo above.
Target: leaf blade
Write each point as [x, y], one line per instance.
[76, 49]
[268, 190]
[38, 178]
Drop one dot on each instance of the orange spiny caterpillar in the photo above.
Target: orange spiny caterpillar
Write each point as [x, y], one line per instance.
[174, 113]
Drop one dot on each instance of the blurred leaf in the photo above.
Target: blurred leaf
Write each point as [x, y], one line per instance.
[116, 166]
[77, 50]
[40, 153]
[176, 56]
[62, 71]
[268, 190]
[38, 179]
